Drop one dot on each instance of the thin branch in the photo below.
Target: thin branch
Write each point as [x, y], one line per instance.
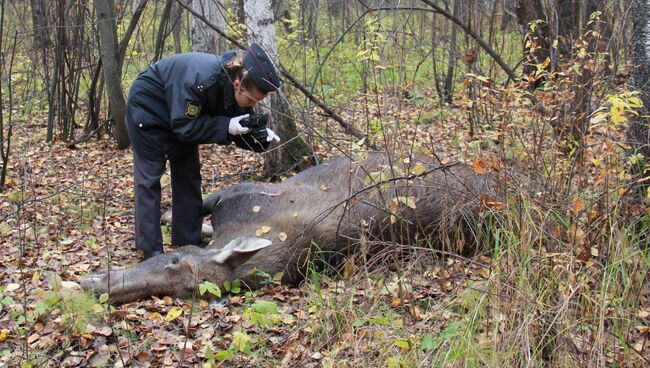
[476, 37]
[349, 128]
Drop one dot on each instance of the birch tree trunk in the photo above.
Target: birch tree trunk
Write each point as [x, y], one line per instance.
[290, 154]
[639, 131]
[204, 38]
[105, 10]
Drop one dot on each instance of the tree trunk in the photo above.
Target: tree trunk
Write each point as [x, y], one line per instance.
[289, 155]
[105, 10]
[40, 25]
[537, 39]
[177, 22]
[639, 130]
[448, 90]
[309, 10]
[204, 38]
[162, 34]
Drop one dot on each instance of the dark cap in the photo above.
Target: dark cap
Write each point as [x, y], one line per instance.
[261, 69]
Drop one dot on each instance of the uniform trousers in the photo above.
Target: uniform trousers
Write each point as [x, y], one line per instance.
[187, 211]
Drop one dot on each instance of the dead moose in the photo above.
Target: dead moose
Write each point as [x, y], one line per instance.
[280, 227]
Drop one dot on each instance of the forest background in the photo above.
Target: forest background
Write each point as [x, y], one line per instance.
[547, 95]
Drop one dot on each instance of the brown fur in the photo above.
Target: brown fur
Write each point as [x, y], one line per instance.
[324, 208]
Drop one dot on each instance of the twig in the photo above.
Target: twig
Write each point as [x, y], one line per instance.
[348, 127]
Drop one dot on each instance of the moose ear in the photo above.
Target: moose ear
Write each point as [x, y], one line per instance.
[240, 250]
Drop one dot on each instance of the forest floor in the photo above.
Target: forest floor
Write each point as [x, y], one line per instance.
[68, 213]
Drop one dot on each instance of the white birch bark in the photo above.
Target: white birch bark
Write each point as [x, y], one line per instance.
[261, 29]
[204, 38]
[261, 25]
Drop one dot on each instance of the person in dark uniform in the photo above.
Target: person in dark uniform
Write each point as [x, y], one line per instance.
[176, 104]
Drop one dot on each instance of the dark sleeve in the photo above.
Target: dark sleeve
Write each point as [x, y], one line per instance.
[192, 126]
[201, 130]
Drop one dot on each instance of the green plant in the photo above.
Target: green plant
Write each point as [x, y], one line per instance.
[77, 309]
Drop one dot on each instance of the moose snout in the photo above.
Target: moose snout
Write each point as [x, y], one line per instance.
[95, 283]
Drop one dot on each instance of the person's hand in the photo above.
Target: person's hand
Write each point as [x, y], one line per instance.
[235, 128]
[270, 135]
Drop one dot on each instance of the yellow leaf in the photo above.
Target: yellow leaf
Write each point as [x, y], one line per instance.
[408, 201]
[416, 312]
[258, 232]
[323, 187]
[256, 209]
[265, 229]
[240, 340]
[393, 206]
[484, 272]
[4, 334]
[348, 268]
[295, 214]
[418, 169]
[577, 206]
[173, 313]
[481, 165]
[582, 53]
[282, 236]
[635, 102]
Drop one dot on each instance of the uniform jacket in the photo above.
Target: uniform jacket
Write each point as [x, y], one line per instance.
[180, 102]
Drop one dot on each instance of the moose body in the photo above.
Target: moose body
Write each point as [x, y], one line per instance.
[280, 227]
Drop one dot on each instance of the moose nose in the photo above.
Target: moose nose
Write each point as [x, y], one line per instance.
[92, 282]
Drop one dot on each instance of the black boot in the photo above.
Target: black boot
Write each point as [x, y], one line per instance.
[151, 253]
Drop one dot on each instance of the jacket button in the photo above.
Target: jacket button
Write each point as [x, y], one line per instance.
[140, 125]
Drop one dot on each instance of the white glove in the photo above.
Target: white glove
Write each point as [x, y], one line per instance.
[235, 128]
[270, 135]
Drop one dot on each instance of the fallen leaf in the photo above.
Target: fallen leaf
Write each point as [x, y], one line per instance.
[105, 331]
[257, 208]
[33, 338]
[481, 165]
[577, 206]
[173, 313]
[282, 236]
